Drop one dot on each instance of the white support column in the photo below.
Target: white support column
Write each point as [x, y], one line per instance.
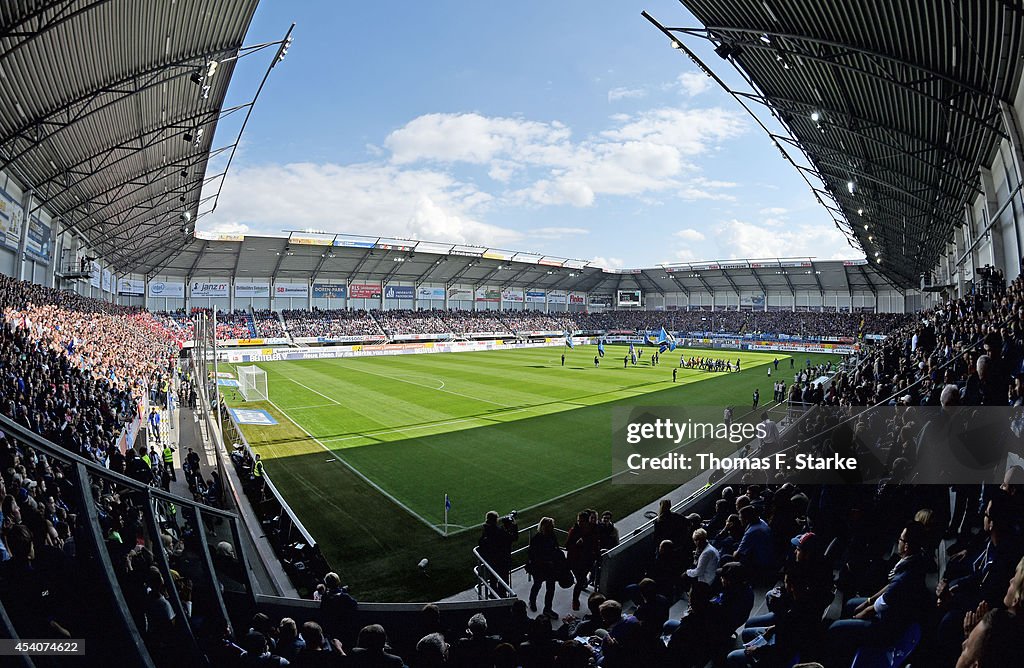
[26, 217]
[991, 200]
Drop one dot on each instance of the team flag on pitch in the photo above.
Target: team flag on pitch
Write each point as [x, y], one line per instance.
[568, 339]
[600, 348]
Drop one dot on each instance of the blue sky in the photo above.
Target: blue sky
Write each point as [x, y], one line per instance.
[566, 128]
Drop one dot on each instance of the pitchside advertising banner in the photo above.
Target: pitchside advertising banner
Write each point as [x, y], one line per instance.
[209, 289]
[166, 289]
[330, 290]
[488, 295]
[535, 296]
[399, 292]
[130, 286]
[252, 289]
[364, 290]
[291, 289]
[430, 293]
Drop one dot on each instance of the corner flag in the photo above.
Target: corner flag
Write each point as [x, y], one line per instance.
[447, 503]
[447, 507]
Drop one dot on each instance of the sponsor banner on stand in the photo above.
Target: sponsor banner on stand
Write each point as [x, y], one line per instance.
[209, 289]
[252, 289]
[488, 295]
[291, 289]
[460, 294]
[577, 298]
[535, 296]
[130, 286]
[399, 292]
[105, 281]
[430, 293]
[557, 297]
[166, 289]
[364, 290]
[513, 295]
[329, 290]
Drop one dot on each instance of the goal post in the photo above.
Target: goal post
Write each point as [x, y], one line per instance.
[252, 383]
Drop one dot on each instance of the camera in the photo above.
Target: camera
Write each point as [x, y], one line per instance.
[511, 517]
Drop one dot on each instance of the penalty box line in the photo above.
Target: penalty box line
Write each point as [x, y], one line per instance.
[356, 471]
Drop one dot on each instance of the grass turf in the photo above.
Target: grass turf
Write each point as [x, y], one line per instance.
[495, 430]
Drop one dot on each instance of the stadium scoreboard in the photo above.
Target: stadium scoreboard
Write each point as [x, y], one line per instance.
[627, 298]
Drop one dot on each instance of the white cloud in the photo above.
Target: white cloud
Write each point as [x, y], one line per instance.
[616, 94]
[690, 234]
[607, 262]
[691, 131]
[740, 239]
[376, 199]
[693, 83]
[773, 211]
[468, 138]
[557, 232]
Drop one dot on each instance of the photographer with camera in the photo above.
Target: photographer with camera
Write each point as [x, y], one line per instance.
[496, 543]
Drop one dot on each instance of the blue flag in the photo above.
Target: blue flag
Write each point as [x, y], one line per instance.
[447, 503]
[600, 348]
[568, 340]
[631, 351]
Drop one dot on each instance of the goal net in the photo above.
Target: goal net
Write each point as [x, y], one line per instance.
[252, 383]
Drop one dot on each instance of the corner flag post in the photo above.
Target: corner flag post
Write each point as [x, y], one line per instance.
[447, 507]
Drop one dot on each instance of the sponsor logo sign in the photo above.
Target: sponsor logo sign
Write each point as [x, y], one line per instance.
[535, 296]
[252, 290]
[251, 416]
[488, 295]
[460, 293]
[364, 290]
[291, 289]
[130, 286]
[399, 292]
[512, 295]
[430, 293]
[330, 290]
[209, 289]
[162, 289]
[557, 297]
[577, 298]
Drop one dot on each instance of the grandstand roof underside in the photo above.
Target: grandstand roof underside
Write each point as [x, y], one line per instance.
[277, 258]
[908, 94]
[97, 122]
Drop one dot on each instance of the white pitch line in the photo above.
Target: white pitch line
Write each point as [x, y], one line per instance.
[336, 403]
[357, 472]
[302, 408]
[430, 425]
[439, 389]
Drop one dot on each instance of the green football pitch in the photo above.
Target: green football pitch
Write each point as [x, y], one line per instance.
[497, 430]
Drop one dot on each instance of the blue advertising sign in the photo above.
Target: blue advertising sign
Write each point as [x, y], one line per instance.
[399, 292]
[330, 290]
[252, 416]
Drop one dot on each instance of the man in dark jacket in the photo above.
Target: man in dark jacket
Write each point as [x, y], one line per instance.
[495, 546]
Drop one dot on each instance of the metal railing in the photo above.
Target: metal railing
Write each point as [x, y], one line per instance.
[493, 585]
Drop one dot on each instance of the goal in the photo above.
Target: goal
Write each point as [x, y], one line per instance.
[252, 383]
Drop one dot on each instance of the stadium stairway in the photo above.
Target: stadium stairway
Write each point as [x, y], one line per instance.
[250, 322]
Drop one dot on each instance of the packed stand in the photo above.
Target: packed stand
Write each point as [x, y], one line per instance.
[538, 321]
[178, 322]
[233, 325]
[474, 322]
[268, 325]
[405, 321]
[807, 324]
[330, 323]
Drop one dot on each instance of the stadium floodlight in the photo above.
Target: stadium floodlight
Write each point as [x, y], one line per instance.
[815, 116]
[186, 216]
[252, 383]
[850, 185]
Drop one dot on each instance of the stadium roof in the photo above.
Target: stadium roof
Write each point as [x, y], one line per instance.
[110, 109]
[895, 103]
[327, 258]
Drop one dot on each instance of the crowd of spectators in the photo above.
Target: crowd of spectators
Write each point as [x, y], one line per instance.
[405, 321]
[235, 324]
[330, 323]
[268, 325]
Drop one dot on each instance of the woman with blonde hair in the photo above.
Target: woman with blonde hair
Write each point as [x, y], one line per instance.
[542, 563]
